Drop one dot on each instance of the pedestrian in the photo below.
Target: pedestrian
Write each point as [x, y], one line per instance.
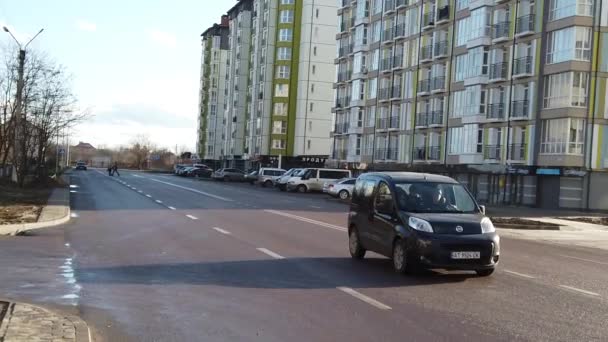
[115, 169]
[110, 171]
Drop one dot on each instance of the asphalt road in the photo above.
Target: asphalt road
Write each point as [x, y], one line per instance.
[151, 257]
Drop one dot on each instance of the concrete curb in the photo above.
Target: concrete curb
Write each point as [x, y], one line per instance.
[83, 333]
[63, 202]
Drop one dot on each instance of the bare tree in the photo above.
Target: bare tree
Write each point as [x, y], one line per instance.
[140, 149]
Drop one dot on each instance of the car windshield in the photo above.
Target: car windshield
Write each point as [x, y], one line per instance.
[434, 198]
[300, 173]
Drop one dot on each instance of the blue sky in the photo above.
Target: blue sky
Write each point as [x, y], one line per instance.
[135, 63]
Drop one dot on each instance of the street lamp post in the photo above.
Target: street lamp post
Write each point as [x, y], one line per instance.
[19, 149]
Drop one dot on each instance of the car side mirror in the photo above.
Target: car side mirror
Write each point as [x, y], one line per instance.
[482, 208]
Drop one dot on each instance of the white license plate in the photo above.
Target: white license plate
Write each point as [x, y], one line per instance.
[466, 255]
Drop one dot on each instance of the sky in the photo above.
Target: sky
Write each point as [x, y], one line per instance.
[135, 64]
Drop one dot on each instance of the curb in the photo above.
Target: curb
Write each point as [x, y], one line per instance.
[14, 229]
[83, 332]
[526, 227]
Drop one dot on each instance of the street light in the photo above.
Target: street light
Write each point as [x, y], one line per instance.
[19, 157]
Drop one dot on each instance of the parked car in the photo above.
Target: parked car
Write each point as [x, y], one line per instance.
[201, 172]
[234, 175]
[281, 182]
[342, 188]
[251, 177]
[178, 167]
[313, 179]
[267, 176]
[81, 166]
[184, 170]
[421, 221]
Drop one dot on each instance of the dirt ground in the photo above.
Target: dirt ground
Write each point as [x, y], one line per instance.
[22, 205]
[515, 220]
[594, 220]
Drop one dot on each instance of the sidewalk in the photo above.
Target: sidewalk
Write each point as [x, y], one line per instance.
[27, 323]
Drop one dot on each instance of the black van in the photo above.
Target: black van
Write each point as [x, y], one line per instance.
[421, 220]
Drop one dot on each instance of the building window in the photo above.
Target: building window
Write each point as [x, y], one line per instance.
[279, 127]
[285, 35]
[460, 67]
[286, 17]
[562, 136]
[311, 107]
[572, 43]
[284, 53]
[280, 109]
[281, 90]
[278, 144]
[462, 31]
[477, 62]
[462, 4]
[287, 2]
[314, 51]
[308, 143]
[317, 12]
[568, 89]
[312, 88]
[282, 72]
[466, 139]
[559, 9]
[314, 69]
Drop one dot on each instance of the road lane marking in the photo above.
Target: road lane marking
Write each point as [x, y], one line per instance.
[270, 253]
[364, 298]
[73, 186]
[316, 207]
[159, 201]
[304, 219]
[579, 290]
[172, 208]
[148, 196]
[520, 274]
[222, 231]
[73, 191]
[141, 192]
[193, 190]
[192, 217]
[138, 176]
[583, 259]
[74, 215]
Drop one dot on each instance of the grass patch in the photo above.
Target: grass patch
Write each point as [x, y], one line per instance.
[23, 205]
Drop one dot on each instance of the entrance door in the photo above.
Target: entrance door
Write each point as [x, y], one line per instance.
[547, 192]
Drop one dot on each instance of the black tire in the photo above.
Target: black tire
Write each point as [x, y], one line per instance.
[343, 195]
[226, 179]
[401, 258]
[485, 273]
[354, 245]
[267, 183]
[302, 188]
[282, 187]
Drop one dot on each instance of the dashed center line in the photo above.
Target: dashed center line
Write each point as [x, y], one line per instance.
[364, 298]
[141, 192]
[148, 196]
[222, 231]
[74, 215]
[315, 207]
[192, 217]
[172, 208]
[304, 219]
[159, 201]
[579, 290]
[270, 253]
[520, 274]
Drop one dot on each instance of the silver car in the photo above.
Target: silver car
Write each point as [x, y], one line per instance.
[234, 175]
[281, 182]
[267, 176]
[342, 188]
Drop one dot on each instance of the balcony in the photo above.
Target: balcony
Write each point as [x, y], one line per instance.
[400, 31]
[434, 153]
[384, 94]
[386, 153]
[340, 154]
[424, 87]
[341, 128]
[517, 152]
[397, 61]
[389, 5]
[441, 49]
[385, 64]
[496, 111]
[383, 123]
[438, 84]
[428, 20]
[401, 3]
[396, 94]
[500, 31]
[426, 53]
[420, 153]
[344, 76]
[422, 119]
[443, 15]
[393, 122]
[492, 152]
[520, 109]
[436, 118]
[498, 71]
[525, 25]
[522, 67]
[388, 35]
[343, 102]
[344, 50]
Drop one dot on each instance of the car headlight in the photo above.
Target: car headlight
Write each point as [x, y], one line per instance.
[420, 225]
[487, 226]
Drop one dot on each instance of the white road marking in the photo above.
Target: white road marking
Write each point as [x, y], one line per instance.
[364, 298]
[583, 259]
[159, 201]
[141, 192]
[138, 176]
[172, 208]
[193, 190]
[148, 196]
[520, 274]
[222, 231]
[73, 186]
[73, 191]
[304, 219]
[67, 244]
[270, 253]
[316, 207]
[192, 217]
[579, 290]
[74, 215]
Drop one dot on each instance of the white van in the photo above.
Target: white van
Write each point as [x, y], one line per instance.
[313, 179]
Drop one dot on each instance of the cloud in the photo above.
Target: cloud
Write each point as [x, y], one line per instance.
[84, 25]
[140, 114]
[162, 37]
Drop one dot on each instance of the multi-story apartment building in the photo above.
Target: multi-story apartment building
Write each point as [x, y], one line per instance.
[279, 77]
[505, 95]
[210, 142]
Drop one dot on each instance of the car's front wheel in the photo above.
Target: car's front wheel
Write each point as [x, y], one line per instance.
[343, 194]
[354, 245]
[302, 188]
[485, 273]
[401, 262]
[267, 183]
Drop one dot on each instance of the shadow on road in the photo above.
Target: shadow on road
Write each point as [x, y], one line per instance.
[296, 273]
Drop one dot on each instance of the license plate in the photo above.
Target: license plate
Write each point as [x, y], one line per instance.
[466, 255]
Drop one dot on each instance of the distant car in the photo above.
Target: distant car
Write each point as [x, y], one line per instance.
[251, 177]
[178, 167]
[342, 188]
[199, 172]
[184, 171]
[81, 166]
[313, 179]
[234, 175]
[267, 176]
[281, 182]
